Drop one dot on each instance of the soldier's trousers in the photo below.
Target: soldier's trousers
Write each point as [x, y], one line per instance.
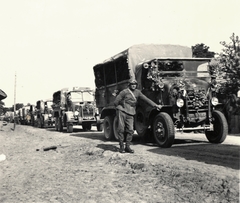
[125, 124]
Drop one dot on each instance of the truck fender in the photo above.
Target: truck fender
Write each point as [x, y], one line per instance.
[108, 111]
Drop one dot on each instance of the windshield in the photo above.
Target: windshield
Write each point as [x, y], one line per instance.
[176, 68]
[49, 104]
[76, 96]
[88, 96]
[82, 96]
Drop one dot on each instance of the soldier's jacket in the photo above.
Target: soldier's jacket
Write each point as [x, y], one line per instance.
[126, 102]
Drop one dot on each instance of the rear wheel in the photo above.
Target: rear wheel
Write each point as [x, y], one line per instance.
[220, 128]
[115, 125]
[60, 125]
[108, 127]
[163, 130]
[39, 123]
[140, 125]
[56, 124]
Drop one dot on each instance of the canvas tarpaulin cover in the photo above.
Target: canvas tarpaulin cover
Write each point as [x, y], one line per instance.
[142, 52]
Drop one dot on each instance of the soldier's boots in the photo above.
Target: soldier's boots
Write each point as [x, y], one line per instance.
[121, 149]
[128, 149]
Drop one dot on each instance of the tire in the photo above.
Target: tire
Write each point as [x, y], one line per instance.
[108, 128]
[69, 127]
[32, 121]
[43, 123]
[86, 126]
[56, 124]
[140, 125]
[220, 128]
[163, 130]
[39, 123]
[100, 127]
[60, 125]
[115, 125]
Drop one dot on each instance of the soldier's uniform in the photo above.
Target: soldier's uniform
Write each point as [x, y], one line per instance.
[125, 104]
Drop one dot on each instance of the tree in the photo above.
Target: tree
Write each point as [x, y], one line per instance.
[229, 65]
[202, 51]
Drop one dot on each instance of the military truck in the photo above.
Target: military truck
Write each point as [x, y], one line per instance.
[33, 115]
[20, 116]
[75, 106]
[44, 113]
[26, 118]
[169, 76]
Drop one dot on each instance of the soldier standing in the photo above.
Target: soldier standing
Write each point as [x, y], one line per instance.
[125, 104]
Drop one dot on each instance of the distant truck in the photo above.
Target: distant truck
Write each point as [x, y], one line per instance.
[33, 115]
[169, 76]
[26, 119]
[44, 113]
[75, 106]
[23, 114]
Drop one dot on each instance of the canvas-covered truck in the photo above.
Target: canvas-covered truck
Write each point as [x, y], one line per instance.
[169, 76]
[44, 113]
[75, 106]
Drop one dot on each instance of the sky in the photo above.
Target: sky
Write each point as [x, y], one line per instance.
[47, 45]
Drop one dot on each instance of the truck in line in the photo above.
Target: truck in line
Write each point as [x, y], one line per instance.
[169, 76]
[75, 106]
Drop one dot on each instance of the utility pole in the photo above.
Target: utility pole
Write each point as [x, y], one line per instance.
[15, 101]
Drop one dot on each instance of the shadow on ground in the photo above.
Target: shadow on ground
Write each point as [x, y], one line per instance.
[218, 154]
[190, 149]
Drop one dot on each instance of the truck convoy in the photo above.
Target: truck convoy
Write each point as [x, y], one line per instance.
[75, 106]
[169, 76]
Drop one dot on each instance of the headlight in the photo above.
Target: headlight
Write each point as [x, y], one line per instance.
[76, 113]
[214, 101]
[180, 103]
[49, 115]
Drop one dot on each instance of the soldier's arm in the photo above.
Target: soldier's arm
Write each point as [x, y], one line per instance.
[119, 98]
[149, 101]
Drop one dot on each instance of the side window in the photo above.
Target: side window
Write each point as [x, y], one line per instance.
[110, 73]
[113, 71]
[122, 69]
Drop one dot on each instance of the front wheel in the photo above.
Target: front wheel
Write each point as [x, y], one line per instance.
[220, 128]
[69, 127]
[108, 127]
[163, 130]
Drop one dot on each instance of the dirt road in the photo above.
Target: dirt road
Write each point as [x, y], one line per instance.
[86, 168]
